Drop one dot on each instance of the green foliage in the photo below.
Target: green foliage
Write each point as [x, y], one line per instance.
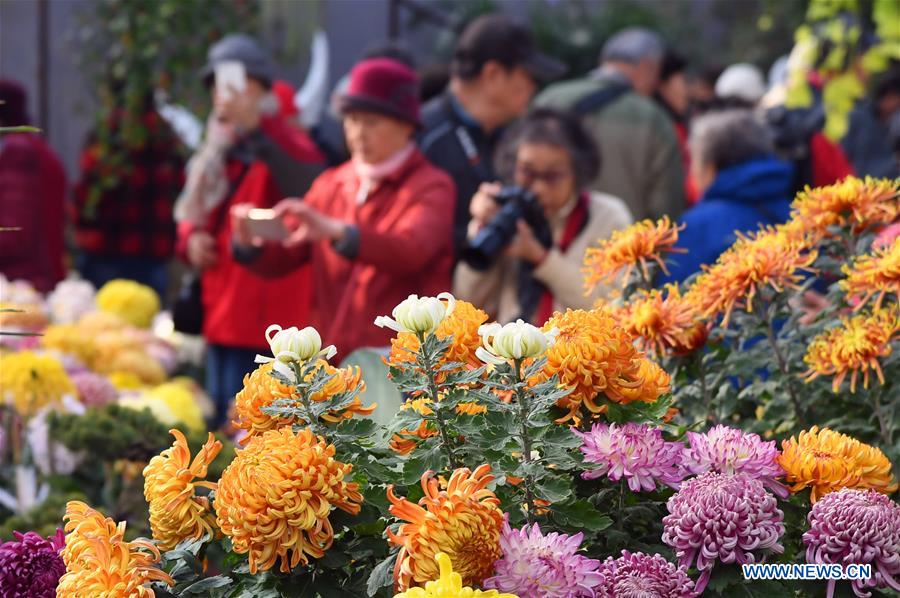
[111, 432]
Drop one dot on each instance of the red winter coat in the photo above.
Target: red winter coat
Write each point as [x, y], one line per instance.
[238, 304]
[32, 199]
[405, 247]
[829, 162]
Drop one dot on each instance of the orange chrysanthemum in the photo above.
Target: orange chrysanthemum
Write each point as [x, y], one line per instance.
[404, 441]
[767, 258]
[463, 521]
[176, 513]
[639, 244]
[853, 202]
[826, 461]
[99, 562]
[262, 389]
[662, 323]
[875, 275]
[595, 356]
[461, 326]
[274, 499]
[854, 346]
[470, 409]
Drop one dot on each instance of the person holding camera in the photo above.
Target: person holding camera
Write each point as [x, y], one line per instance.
[526, 243]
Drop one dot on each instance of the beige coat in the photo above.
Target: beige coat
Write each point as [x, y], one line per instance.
[495, 290]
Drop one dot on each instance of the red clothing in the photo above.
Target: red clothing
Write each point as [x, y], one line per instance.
[405, 247]
[829, 162]
[238, 304]
[32, 198]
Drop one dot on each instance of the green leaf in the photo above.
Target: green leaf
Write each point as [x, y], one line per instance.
[582, 514]
[554, 488]
[209, 583]
[382, 575]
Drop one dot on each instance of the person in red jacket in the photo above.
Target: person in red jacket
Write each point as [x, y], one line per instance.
[32, 199]
[376, 228]
[251, 155]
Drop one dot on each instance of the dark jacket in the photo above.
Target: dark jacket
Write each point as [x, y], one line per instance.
[455, 143]
[403, 247]
[740, 199]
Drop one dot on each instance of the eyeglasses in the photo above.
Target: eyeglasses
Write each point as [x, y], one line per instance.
[551, 178]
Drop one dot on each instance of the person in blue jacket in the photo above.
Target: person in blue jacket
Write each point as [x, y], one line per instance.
[743, 185]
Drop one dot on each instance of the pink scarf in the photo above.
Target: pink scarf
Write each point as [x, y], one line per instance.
[370, 174]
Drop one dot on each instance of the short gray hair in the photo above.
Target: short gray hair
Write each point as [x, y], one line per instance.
[729, 137]
[633, 45]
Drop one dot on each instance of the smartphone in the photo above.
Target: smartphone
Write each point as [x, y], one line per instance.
[266, 225]
[231, 76]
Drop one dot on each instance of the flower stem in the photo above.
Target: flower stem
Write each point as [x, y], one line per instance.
[303, 394]
[707, 399]
[782, 364]
[429, 367]
[525, 438]
[886, 435]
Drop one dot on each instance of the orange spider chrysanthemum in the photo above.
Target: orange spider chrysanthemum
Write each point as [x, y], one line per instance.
[262, 389]
[176, 513]
[853, 202]
[463, 521]
[854, 346]
[662, 322]
[825, 461]
[767, 258]
[99, 562]
[404, 441]
[461, 326]
[274, 499]
[595, 356]
[470, 409]
[875, 275]
[642, 242]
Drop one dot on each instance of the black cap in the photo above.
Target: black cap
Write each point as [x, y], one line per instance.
[497, 37]
[239, 47]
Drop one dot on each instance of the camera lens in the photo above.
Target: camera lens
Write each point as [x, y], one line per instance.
[497, 234]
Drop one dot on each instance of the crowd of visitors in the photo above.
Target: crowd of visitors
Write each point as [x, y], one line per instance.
[493, 188]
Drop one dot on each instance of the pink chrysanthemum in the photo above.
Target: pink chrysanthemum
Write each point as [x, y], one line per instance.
[856, 527]
[729, 450]
[30, 565]
[730, 518]
[94, 390]
[639, 575]
[538, 566]
[636, 452]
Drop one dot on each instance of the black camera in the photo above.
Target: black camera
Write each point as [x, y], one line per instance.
[516, 203]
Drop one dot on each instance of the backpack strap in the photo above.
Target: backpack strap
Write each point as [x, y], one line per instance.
[597, 100]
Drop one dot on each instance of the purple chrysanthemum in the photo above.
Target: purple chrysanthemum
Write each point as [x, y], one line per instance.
[30, 565]
[729, 450]
[722, 517]
[636, 452]
[639, 575]
[856, 526]
[94, 390]
[539, 566]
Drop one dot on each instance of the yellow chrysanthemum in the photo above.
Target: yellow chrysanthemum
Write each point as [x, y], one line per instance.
[595, 356]
[176, 513]
[853, 347]
[68, 338]
[448, 585]
[134, 302]
[642, 242]
[262, 389]
[470, 409]
[99, 562]
[826, 461]
[125, 381]
[31, 382]
[181, 402]
[274, 499]
[875, 275]
[768, 258]
[853, 202]
[96, 322]
[463, 521]
[461, 326]
[662, 322]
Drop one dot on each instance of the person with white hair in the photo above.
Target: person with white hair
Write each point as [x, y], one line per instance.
[743, 185]
[741, 82]
[642, 163]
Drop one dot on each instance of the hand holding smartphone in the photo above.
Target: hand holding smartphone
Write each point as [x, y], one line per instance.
[231, 77]
[266, 225]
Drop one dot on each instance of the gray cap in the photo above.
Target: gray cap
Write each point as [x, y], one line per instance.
[240, 47]
[632, 45]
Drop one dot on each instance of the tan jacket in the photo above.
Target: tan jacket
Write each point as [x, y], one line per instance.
[495, 290]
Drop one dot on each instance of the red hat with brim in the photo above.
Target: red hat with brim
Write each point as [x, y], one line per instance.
[385, 86]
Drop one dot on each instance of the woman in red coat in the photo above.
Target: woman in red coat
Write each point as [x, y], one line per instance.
[375, 229]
